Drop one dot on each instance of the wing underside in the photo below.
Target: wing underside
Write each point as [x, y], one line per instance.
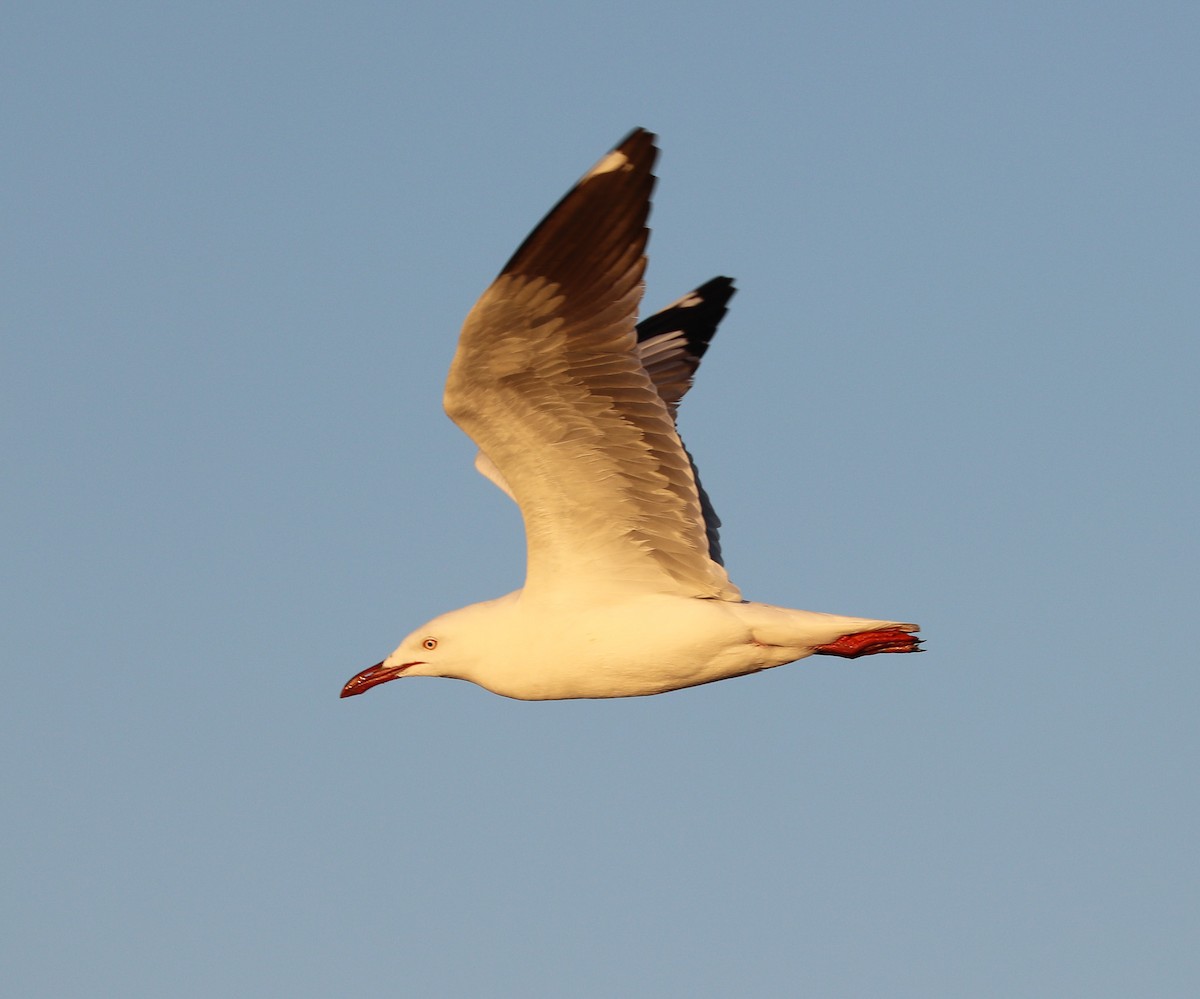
[549, 382]
[670, 344]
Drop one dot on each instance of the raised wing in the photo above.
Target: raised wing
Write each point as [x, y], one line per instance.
[547, 380]
[670, 344]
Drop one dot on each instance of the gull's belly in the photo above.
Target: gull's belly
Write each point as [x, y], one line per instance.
[624, 649]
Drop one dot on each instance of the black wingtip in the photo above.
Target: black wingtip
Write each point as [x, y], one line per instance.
[696, 315]
[638, 137]
[597, 224]
[639, 147]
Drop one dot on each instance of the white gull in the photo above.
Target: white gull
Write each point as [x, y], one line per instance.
[573, 406]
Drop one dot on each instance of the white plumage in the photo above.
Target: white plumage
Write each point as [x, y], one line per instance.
[572, 406]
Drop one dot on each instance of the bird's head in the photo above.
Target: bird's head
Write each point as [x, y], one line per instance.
[451, 645]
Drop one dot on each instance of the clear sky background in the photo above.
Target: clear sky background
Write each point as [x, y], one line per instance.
[958, 386]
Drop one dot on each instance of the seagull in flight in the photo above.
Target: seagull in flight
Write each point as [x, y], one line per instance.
[572, 404]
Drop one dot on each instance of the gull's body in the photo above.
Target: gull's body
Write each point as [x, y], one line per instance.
[572, 405]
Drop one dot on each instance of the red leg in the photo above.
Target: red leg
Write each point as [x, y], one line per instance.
[867, 643]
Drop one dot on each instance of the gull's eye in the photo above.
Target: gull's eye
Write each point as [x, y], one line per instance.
[429, 644]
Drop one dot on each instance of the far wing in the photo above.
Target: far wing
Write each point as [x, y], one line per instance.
[670, 344]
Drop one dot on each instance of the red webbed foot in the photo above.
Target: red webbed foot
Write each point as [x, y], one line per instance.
[867, 643]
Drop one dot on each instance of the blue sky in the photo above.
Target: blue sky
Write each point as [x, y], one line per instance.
[958, 386]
